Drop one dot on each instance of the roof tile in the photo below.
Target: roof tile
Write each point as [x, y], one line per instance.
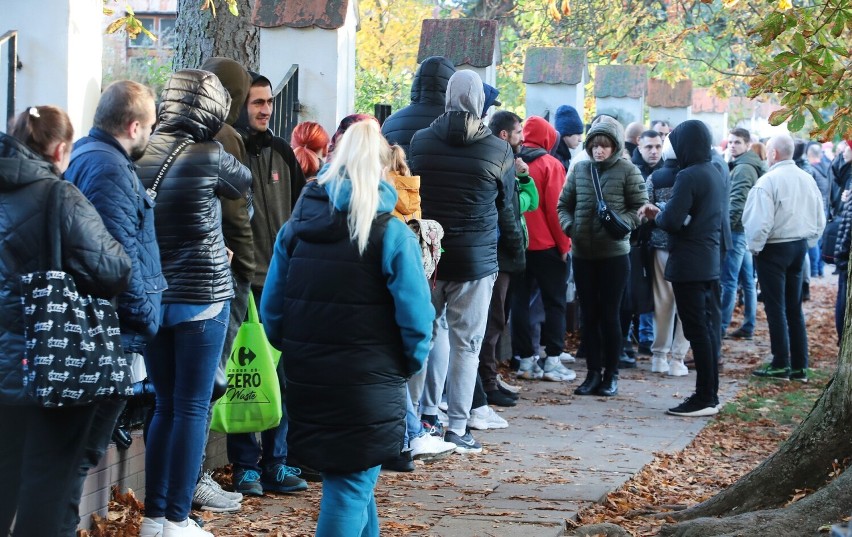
[664, 95]
[326, 14]
[620, 81]
[555, 65]
[462, 41]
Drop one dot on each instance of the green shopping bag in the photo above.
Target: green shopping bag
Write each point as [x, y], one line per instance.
[252, 402]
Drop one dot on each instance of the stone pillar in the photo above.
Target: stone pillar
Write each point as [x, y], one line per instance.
[712, 110]
[620, 92]
[669, 102]
[554, 76]
[320, 38]
[61, 56]
[468, 43]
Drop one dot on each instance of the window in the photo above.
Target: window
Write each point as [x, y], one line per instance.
[161, 25]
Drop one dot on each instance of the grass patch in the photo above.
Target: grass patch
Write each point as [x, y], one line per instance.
[768, 403]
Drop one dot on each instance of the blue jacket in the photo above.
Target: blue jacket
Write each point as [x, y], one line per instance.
[104, 173]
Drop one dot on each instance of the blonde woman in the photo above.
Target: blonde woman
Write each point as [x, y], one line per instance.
[343, 261]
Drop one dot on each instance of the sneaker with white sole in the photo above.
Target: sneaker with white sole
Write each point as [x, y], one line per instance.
[677, 368]
[484, 418]
[430, 448]
[464, 444]
[506, 386]
[151, 527]
[554, 371]
[443, 405]
[206, 498]
[207, 478]
[659, 364]
[529, 369]
[187, 528]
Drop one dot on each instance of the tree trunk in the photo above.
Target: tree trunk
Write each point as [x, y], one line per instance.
[804, 461]
[200, 35]
[830, 504]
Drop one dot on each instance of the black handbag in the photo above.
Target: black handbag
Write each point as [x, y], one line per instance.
[73, 353]
[612, 223]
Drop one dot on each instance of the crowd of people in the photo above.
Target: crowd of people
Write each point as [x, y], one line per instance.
[180, 209]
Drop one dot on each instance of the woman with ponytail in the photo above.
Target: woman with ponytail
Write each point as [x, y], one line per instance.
[310, 144]
[347, 304]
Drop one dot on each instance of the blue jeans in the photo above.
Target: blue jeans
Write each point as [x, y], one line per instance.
[348, 506]
[646, 328]
[737, 267]
[779, 268]
[413, 425]
[181, 363]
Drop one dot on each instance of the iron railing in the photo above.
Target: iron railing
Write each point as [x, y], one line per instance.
[286, 107]
[12, 37]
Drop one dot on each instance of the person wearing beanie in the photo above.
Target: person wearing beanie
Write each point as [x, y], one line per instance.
[570, 127]
[467, 181]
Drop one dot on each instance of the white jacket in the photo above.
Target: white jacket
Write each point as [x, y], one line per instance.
[784, 205]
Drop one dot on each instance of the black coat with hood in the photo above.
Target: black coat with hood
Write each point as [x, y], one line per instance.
[698, 193]
[427, 102]
[188, 215]
[97, 261]
[277, 181]
[464, 176]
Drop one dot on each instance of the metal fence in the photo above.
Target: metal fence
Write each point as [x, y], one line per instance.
[11, 37]
[285, 107]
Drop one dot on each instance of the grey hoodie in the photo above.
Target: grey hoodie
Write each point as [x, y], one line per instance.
[465, 93]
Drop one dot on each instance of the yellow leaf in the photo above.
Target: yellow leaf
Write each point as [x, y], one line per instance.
[784, 5]
[566, 8]
[552, 11]
[232, 7]
[116, 25]
[730, 3]
[108, 11]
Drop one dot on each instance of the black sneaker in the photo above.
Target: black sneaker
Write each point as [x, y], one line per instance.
[464, 444]
[247, 482]
[799, 375]
[739, 333]
[770, 372]
[282, 478]
[496, 397]
[644, 349]
[693, 407]
[401, 463]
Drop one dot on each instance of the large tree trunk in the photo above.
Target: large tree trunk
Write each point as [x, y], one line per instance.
[200, 35]
[804, 461]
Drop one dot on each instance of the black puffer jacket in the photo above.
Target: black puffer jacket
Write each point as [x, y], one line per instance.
[463, 173]
[427, 102]
[188, 215]
[89, 253]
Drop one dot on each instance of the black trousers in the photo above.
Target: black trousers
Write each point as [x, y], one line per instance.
[546, 268]
[600, 287]
[699, 308]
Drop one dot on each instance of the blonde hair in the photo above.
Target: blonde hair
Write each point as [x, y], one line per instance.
[398, 162]
[359, 158]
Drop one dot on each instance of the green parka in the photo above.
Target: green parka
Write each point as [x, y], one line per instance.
[623, 190]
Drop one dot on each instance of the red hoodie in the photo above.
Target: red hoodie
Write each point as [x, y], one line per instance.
[549, 176]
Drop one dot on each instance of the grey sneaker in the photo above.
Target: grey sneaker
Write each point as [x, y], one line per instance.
[207, 478]
[464, 444]
[207, 498]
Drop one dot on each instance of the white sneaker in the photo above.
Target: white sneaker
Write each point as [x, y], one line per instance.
[151, 527]
[207, 478]
[659, 364]
[529, 369]
[567, 358]
[677, 368]
[191, 529]
[506, 386]
[484, 418]
[556, 372]
[430, 448]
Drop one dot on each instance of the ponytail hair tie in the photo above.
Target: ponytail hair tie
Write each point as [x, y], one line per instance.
[34, 112]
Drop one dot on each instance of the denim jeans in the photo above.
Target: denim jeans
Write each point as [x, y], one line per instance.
[40, 453]
[181, 363]
[698, 310]
[646, 328]
[348, 505]
[737, 267]
[413, 425]
[600, 287]
[779, 269]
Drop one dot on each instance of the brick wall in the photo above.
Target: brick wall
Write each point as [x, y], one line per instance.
[126, 468]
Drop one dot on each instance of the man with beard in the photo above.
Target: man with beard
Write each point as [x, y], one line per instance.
[102, 168]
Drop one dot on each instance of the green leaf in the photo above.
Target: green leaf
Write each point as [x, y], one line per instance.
[798, 43]
[797, 121]
[816, 115]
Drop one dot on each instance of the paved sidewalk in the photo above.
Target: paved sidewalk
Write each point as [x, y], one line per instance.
[559, 453]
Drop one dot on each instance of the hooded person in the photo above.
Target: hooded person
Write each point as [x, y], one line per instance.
[546, 260]
[428, 91]
[693, 216]
[491, 94]
[467, 178]
[570, 127]
[600, 260]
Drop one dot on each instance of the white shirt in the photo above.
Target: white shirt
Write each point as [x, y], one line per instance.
[784, 205]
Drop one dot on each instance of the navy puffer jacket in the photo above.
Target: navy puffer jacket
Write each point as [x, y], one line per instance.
[97, 262]
[188, 215]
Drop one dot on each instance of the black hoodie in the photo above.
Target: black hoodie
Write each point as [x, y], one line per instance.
[428, 92]
[698, 192]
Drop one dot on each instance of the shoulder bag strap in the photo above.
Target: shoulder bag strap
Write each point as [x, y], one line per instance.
[164, 169]
[53, 220]
[596, 181]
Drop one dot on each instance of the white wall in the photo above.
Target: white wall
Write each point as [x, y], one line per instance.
[675, 116]
[60, 46]
[326, 61]
[542, 98]
[487, 74]
[716, 122]
[626, 109]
